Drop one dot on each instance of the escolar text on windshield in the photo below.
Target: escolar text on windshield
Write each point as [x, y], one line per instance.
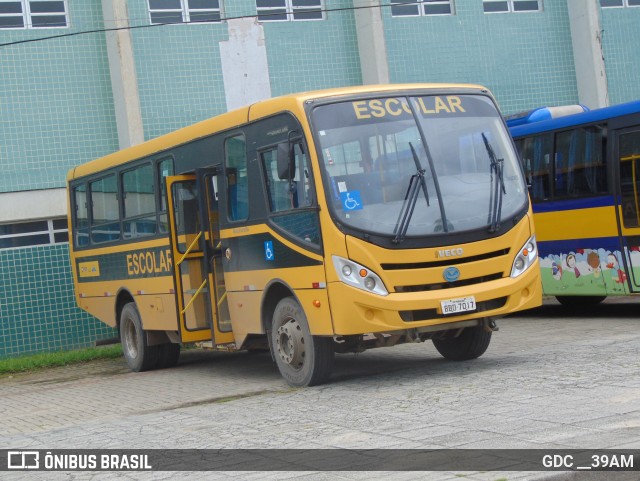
[378, 108]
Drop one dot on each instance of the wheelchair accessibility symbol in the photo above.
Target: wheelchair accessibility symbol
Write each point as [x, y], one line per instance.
[269, 254]
[351, 200]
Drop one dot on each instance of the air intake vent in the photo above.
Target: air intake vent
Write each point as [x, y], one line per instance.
[448, 285]
[445, 262]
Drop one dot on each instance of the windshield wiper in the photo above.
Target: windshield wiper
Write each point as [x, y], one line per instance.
[408, 206]
[416, 182]
[495, 200]
[419, 168]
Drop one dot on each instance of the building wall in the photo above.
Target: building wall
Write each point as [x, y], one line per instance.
[37, 307]
[180, 79]
[621, 49]
[178, 69]
[525, 58]
[56, 111]
[55, 101]
[314, 55]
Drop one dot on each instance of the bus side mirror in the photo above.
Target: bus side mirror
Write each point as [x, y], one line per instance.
[286, 161]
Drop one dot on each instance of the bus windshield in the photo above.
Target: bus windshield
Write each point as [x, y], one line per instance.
[418, 166]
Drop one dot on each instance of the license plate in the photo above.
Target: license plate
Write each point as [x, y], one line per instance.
[455, 306]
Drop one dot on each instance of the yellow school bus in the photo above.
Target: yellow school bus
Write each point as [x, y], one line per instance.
[310, 224]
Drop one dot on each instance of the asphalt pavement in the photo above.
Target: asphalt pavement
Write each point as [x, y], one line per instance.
[551, 379]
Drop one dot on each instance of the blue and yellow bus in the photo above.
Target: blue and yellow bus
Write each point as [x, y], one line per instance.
[583, 169]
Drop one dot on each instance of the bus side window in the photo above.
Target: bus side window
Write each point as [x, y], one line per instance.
[139, 202]
[594, 175]
[581, 170]
[81, 218]
[283, 194]
[186, 213]
[303, 192]
[237, 180]
[536, 153]
[629, 152]
[105, 215]
[286, 199]
[277, 190]
[165, 169]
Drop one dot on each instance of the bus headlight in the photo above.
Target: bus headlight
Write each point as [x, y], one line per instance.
[526, 256]
[355, 275]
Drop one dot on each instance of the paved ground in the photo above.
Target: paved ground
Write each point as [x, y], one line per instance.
[548, 380]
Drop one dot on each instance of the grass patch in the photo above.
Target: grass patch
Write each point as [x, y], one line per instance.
[62, 358]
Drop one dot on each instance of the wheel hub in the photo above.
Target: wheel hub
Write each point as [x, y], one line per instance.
[130, 340]
[290, 344]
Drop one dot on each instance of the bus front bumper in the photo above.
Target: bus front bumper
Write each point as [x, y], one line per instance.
[355, 311]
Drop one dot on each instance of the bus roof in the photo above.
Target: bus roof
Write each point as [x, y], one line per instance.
[241, 116]
[535, 126]
[544, 113]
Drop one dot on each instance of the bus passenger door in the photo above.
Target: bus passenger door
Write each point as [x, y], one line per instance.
[207, 184]
[627, 151]
[190, 275]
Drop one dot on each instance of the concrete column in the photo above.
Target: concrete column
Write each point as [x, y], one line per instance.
[371, 42]
[124, 81]
[586, 37]
[245, 69]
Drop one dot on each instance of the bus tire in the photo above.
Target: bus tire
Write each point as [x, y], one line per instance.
[302, 359]
[139, 355]
[470, 344]
[168, 355]
[580, 301]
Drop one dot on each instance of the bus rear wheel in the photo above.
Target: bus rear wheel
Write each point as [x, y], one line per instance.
[470, 344]
[302, 359]
[580, 301]
[138, 354]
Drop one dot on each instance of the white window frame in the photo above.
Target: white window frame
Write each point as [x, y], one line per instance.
[625, 4]
[26, 15]
[421, 8]
[290, 11]
[51, 231]
[186, 12]
[510, 6]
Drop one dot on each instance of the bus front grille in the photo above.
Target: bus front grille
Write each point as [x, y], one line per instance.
[449, 285]
[429, 314]
[444, 263]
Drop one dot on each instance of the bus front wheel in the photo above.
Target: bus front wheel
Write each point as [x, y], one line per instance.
[168, 355]
[302, 359]
[139, 355]
[470, 344]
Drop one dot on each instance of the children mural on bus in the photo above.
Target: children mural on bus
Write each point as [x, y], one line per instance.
[594, 271]
[570, 262]
[593, 259]
[618, 275]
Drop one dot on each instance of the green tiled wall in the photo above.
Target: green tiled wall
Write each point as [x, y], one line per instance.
[525, 59]
[56, 107]
[178, 66]
[37, 305]
[314, 55]
[178, 69]
[621, 49]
